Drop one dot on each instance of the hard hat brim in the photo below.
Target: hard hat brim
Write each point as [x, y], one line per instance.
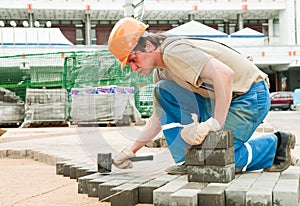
[123, 65]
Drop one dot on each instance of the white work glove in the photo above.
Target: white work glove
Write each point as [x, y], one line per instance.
[121, 160]
[195, 133]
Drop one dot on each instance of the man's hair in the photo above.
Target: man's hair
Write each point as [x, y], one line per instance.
[155, 39]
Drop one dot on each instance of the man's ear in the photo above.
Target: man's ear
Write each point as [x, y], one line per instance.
[149, 46]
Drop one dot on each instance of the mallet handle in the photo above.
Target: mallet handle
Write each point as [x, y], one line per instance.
[141, 158]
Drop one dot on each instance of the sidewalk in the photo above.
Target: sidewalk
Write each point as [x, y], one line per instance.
[29, 182]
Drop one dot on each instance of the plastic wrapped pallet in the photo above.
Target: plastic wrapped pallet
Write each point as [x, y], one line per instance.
[46, 105]
[110, 103]
[11, 107]
[11, 113]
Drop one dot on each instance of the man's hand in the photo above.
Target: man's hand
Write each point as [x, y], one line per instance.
[122, 161]
[195, 133]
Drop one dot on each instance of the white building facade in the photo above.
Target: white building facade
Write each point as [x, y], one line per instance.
[89, 22]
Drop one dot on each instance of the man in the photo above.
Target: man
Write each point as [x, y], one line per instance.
[201, 86]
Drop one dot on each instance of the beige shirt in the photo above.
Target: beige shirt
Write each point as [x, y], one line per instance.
[185, 58]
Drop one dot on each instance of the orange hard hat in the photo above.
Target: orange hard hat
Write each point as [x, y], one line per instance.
[124, 37]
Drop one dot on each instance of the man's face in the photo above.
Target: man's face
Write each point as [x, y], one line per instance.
[142, 62]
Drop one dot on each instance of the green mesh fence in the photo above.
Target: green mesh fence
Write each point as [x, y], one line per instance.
[19, 72]
[101, 68]
[69, 70]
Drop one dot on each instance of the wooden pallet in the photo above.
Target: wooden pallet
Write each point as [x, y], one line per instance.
[102, 124]
[46, 124]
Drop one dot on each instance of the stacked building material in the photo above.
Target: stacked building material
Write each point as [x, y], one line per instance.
[11, 108]
[103, 104]
[213, 160]
[46, 105]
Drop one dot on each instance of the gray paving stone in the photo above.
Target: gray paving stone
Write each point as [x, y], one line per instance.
[286, 192]
[39, 156]
[29, 154]
[3, 153]
[125, 194]
[146, 190]
[104, 189]
[222, 174]
[17, 153]
[212, 196]
[85, 170]
[66, 167]
[260, 192]
[235, 193]
[195, 185]
[140, 180]
[217, 140]
[80, 172]
[167, 177]
[195, 156]
[161, 196]
[83, 182]
[60, 167]
[94, 184]
[51, 159]
[219, 157]
[74, 168]
[185, 197]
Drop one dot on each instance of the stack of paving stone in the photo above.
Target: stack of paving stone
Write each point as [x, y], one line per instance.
[126, 188]
[45, 105]
[11, 107]
[213, 160]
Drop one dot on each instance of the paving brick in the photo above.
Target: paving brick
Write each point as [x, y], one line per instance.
[185, 197]
[94, 184]
[74, 168]
[16, 154]
[51, 159]
[29, 154]
[260, 192]
[125, 194]
[140, 180]
[217, 140]
[167, 177]
[220, 174]
[85, 170]
[3, 153]
[219, 157]
[60, 167]
[194, 185]
[66, 167]
[146, 190]
[60, 158]
[161, 196]
[235, 193]
[104, 189]
[286, 192]
[195, 156]
[39, 156]
[212, 196]
[83, 182]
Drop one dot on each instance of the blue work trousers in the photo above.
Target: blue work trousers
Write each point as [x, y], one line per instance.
[245, 114]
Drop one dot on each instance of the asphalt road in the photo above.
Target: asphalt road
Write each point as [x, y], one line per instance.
[285, 121]
[288, 121]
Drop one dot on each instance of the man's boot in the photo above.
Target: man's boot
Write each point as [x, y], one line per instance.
[178, 169]
[283, 159]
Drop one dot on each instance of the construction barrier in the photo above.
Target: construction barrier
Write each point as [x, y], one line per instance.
[49, 72]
